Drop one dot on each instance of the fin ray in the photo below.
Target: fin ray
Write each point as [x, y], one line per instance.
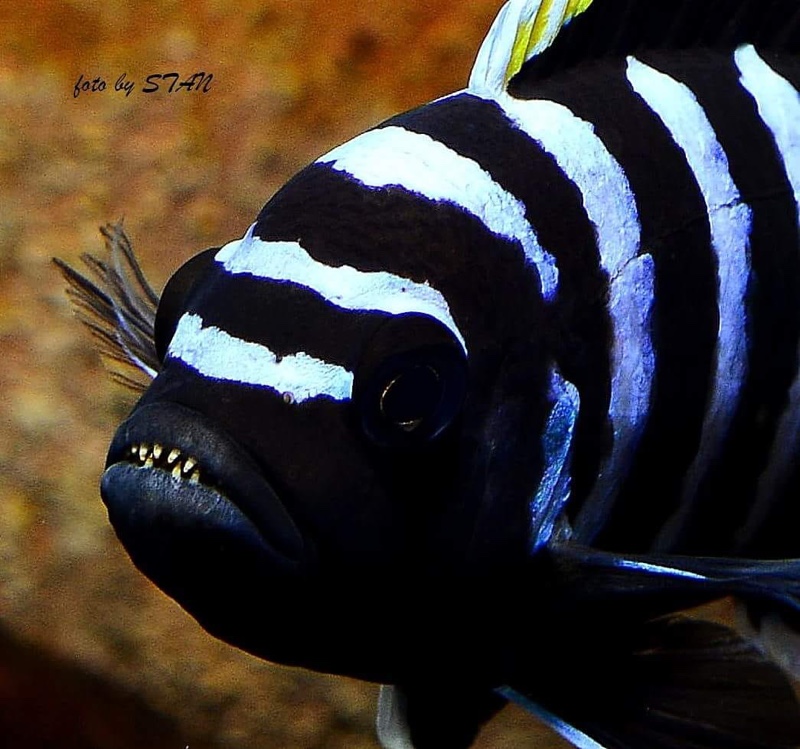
[679, 581]
[521, 30]
[118, 308]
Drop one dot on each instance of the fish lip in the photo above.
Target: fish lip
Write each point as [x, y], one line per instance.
[240, 492]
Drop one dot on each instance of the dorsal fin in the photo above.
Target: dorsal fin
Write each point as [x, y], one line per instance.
[522, 30]
[546, 36]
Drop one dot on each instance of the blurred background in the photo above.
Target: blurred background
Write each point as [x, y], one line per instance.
[91, 654]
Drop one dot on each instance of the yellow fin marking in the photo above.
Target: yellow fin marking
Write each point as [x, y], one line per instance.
[521, 30]
[542, 23]
[538, 33]
[576, 7]
[519, 52]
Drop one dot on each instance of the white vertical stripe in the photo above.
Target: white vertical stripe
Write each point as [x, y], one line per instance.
[779, 107]
[611, 207]
[342, 285]
[730, 219]
[554, 486]
[218, 355]
[394, 157]
[632, 365]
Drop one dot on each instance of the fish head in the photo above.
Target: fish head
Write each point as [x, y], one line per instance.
[277, 475]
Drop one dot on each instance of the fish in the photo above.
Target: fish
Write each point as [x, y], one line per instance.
[489, 396]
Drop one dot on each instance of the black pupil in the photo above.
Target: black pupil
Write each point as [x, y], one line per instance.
[411, 396]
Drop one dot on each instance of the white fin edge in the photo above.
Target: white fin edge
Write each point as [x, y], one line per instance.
[391, 724]
[521, 30]
[576, 737]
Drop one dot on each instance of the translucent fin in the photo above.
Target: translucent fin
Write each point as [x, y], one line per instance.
[118, 307]
[781, 643]
[773, 635]
[392, 725]
[664, 580]
[439, 714]
[522, 30]
[672, 683]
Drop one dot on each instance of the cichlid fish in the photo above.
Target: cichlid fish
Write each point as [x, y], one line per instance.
[488, 394]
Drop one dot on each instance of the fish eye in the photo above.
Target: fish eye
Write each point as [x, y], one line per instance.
[410, 397]
[175, 296]
[410, 382]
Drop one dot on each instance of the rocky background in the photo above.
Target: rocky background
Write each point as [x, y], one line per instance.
[91, 654]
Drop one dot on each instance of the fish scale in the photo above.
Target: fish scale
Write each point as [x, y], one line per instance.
[523, 358]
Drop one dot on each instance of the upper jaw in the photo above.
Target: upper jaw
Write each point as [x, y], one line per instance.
[170, 467]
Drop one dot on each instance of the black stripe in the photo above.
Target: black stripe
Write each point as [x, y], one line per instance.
[341, 222]
[675, 231]
[577, 326]
[285, 317]
[773, 328]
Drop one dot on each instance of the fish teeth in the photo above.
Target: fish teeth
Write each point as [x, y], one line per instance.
[153, 457]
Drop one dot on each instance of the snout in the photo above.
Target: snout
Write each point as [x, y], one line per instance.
[198, 517]
[170, 472]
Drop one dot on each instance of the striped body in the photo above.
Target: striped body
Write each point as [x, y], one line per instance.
[489, 394]
[616, 248]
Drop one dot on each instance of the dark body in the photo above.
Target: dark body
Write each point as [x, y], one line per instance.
[587, 456]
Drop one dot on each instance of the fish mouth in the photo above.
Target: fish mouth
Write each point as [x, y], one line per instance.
[188, 502]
